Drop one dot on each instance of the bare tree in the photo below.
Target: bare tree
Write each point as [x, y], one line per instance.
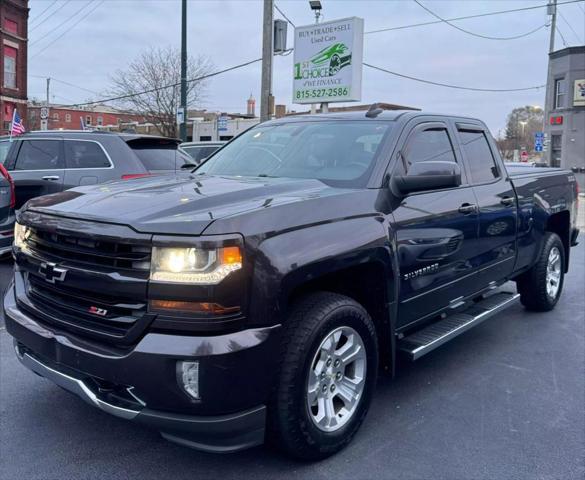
[159, 69]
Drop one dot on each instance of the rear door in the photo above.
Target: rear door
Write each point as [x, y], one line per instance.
[86, 163]
[37, 168]
[495, 196]
[436, 231]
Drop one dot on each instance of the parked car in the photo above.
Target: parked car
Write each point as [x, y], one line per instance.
[7, 202]
[199, 151]
[48, 162]
[264, 292]
[4, 147]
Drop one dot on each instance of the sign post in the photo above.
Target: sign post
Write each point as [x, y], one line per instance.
[328, 61]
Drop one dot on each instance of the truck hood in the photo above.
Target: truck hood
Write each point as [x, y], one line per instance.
[178, 203]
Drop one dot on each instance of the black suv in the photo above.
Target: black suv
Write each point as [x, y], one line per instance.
[48, 162]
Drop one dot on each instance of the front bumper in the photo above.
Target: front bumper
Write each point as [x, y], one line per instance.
[140, 384]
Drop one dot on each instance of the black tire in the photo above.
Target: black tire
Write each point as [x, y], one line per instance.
[311, 320]
[532, 285]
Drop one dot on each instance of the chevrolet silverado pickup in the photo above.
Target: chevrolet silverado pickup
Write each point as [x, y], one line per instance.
[256, 298]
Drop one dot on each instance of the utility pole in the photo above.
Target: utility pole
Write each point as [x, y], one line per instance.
[549, 95]
[47, 102]
[183, 116]
[267, 39]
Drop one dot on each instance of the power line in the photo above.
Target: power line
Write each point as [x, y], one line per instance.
[68, 30]
[562, 36]
[570, 27]
[284, 15]
[487, 37]
[43, 12]
[458, 87]
[487, 14]
[164, 87]
[54, 29]
[49, 16]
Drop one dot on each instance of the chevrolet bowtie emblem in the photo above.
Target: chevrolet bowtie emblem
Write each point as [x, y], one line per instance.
[52, 272]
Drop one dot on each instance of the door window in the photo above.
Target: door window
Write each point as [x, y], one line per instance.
[39, 155]
[479, 156]
[80, 154]
[432, 144]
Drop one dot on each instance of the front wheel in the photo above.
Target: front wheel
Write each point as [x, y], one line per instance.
[328, 373]
[540, 287]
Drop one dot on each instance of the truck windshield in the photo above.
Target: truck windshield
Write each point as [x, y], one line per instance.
[337, 152]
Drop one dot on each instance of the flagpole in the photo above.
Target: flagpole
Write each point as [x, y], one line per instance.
[12, 123]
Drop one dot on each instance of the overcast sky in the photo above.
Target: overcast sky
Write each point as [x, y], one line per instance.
[114, 32]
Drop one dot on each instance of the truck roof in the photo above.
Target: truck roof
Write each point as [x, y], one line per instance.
[386, 115]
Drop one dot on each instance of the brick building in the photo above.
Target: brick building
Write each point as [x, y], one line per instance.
[66, 118]
[13, 61]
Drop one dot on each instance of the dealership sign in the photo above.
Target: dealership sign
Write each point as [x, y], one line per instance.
[328, 61]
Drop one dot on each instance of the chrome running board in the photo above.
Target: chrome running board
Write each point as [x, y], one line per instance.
[427, 339]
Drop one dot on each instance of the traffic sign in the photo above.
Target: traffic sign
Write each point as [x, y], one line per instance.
[44, 113]
[524, 156]
[222, 123]
[539, 141]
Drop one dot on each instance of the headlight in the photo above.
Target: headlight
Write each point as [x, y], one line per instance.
[194, 265]
[21, 233]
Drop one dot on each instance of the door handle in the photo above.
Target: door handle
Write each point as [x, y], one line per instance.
[467, 208]
[52, 178]
[507, 201]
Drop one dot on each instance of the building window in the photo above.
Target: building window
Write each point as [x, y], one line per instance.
[11, 26]
[56, 116]
[560, 92]
[100, 121]
[88, 119]
[10, 67]
[68, 117]
[556, 150]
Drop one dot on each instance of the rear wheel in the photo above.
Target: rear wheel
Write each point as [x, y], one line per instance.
[328, 373]
[540, 288]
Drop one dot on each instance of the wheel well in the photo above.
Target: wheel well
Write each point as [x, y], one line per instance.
[560, 223]
[367, 284]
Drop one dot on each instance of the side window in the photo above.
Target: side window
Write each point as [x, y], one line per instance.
[432, 144]
[79, 154]
[39, 155]
[479, 156]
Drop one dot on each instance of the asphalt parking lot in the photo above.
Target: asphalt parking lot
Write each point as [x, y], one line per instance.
[506, 400]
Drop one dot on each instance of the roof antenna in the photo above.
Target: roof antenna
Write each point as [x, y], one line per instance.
[374, 110]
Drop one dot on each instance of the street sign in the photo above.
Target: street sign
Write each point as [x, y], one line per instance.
[539, 141]
[328, 61]
[180, 115]
[44, 113]
[222, 124]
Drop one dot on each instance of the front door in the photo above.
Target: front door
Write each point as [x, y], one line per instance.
[37, 167]
[436, 231]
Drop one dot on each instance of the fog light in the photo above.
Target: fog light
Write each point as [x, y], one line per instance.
[188, 376]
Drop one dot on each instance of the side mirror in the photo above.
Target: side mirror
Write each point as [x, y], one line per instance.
[431, 175]
[185, 166]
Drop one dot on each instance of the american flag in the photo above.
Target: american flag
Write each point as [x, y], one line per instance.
[17, 126]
